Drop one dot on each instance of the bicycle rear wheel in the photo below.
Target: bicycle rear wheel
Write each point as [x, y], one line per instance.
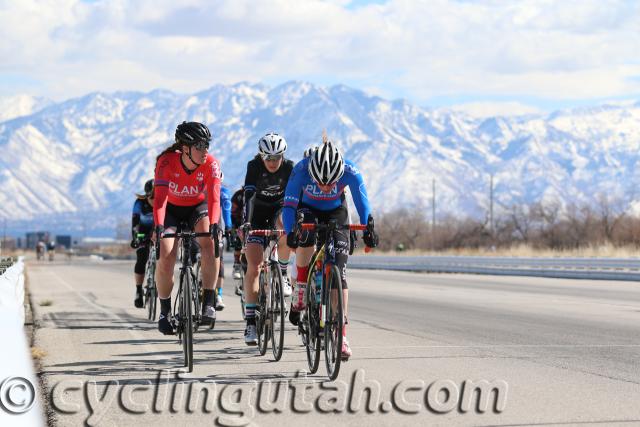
[333, 323]
[262, 314]
[276, 312]
[311, 319]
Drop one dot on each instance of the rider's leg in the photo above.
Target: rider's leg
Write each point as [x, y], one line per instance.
[283, 258]
[254, 258]
[219, 284]
[142, 254]
[164, 281]
[165, 266]
[210, 264]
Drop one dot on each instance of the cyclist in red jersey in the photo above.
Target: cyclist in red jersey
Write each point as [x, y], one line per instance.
[187, 189]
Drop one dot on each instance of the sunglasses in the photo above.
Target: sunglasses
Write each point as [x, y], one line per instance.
[271, 158]
[201, 146]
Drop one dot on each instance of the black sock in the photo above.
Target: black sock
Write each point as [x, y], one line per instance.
[251, 321]
[208, 297]
[139, 289]
[165, 306]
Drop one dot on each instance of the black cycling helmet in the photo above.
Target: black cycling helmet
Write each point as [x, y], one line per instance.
[192, 133]
[148, 188]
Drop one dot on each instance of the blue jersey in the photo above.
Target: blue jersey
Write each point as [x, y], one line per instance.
[301, 188]
[142, 214]
[225, 206]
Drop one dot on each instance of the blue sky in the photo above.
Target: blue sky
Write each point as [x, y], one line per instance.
[527, 54]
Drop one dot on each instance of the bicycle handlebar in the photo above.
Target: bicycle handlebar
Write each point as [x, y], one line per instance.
[193, 234]
[183, 234]
[267, 233]
[313, 226]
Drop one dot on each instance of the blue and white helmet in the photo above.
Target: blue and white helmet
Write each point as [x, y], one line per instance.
[272, 144]
[309, 151]
[326, 165]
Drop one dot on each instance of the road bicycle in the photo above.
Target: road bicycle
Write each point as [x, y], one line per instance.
[270, 309]
[323, 318]
[150, 291]
[185, 311]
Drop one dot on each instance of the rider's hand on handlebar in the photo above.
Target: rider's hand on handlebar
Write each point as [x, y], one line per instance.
[159, 231]
[369, 235]
[292, 239]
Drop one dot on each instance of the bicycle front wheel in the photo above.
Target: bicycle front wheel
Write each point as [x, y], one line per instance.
[333, 323]
[152, 293]
[311, 324]
[187, 321]
[276, 312]
[262, 314]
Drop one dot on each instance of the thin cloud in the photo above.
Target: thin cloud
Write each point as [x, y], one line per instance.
[415, 49]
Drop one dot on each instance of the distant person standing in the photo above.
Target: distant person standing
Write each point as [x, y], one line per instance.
[141, 223]
[40, 249]
[51, 249]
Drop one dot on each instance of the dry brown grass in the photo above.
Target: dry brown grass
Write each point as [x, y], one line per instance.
[37, 353]
[526, 251]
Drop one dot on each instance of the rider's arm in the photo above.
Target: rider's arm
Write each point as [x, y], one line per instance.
[292, 196]
[135, 217]
[161, 190]
[225, 205]
[213, 192]
[250, 182]
[354, 180]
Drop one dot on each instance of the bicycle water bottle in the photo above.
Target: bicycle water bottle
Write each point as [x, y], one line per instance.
[318, 280]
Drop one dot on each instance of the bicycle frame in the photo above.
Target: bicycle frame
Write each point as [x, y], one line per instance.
[270, 306]
[324, 257]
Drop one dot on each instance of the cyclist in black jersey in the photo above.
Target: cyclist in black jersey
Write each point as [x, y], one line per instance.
[264, 186]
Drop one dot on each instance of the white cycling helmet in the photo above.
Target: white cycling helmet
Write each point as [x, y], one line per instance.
[326, 165]
[272, 144]
[309, 151]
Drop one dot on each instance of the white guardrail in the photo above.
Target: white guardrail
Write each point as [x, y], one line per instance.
[570, 268]
[19, 401]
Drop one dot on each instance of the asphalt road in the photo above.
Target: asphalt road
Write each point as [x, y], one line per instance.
[554, 351]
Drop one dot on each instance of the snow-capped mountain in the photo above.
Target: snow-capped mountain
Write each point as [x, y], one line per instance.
[20, 105]
[77, 164]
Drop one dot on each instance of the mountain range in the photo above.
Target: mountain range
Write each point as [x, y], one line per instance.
[74, 166]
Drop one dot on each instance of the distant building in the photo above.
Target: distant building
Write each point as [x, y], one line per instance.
[34, 237]
[64, 240]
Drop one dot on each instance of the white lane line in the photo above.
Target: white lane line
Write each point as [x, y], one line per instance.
[130, 327]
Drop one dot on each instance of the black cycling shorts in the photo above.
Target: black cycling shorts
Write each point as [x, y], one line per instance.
[264, 217]
[310, 238]
[189, 214]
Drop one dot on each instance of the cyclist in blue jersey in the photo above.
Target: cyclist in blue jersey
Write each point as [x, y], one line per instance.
[315, 189]
[141, 223]
[225, 208]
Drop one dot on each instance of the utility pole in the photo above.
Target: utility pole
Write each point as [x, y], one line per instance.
[491, 207]
[433, 205]
[433, 213]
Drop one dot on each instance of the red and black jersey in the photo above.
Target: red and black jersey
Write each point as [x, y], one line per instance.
[174, 184]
